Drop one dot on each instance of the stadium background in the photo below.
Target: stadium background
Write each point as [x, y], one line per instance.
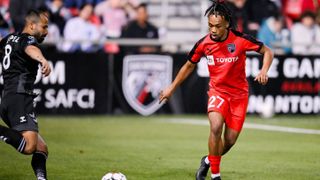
[111, 136]
[75, 88]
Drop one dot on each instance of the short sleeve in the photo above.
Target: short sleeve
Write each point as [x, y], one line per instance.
[28, 40]
[251, 44]
[196, 53]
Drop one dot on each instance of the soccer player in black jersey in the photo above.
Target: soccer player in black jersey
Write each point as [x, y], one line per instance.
[20, 59]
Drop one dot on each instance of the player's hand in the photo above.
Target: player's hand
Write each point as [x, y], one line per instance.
[45, 68]
[262, 78]
[165, 95]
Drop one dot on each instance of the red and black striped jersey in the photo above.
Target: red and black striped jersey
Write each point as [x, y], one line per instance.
[226, 61]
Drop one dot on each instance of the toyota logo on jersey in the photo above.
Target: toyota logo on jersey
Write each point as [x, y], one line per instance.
[143, 77]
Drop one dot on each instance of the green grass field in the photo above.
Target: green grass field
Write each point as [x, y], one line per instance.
[151, 148]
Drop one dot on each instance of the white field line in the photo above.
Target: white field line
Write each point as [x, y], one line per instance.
[250, 126]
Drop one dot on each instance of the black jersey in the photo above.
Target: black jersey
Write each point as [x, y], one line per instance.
[18, 69]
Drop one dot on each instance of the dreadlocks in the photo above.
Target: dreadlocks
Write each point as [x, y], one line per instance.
[218, 7]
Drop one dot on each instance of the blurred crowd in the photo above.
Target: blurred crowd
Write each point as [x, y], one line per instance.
[84, 25]
[287, 26]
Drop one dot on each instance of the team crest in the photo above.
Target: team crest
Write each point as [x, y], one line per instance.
[31, 40]
[231, 47]
[143, 77]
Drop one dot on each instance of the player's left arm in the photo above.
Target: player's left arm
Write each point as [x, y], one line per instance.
[35, 53]
[267, 53]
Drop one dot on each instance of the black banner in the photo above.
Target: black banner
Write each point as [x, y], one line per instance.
[293, 86]
[92, 84]
[78, 84]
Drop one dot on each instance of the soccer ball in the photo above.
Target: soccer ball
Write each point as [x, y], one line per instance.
[114, 176]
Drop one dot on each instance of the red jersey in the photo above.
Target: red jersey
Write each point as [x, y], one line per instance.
[226, 61]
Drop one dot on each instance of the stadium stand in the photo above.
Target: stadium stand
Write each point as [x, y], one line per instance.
[178, 20]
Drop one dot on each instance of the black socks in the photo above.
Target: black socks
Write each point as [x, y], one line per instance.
[15, 139]
[38, 164]
[12, 137]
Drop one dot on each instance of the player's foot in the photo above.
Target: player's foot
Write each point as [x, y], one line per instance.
[41, 176]
[201, 174]
[216, 178]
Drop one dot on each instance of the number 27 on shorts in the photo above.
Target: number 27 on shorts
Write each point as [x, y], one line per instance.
[215, 102]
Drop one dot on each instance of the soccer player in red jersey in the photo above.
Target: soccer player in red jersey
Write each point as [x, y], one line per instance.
[225, 50]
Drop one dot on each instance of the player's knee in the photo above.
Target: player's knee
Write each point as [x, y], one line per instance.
[43, 148]
[229, 144]
[230, 141]
[30, 148]
[216, 125]
[216, 130]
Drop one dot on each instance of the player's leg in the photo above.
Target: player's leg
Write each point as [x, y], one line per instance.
[31, 138]
[218, 108]
[25, 142]
[39, 147]
[17, 111]
[13, 138]
[233, 125]
[8, 134]
[39, 159]
[214, 142]
[230, 138]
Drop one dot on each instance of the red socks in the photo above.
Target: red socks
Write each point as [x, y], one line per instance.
[214, 164]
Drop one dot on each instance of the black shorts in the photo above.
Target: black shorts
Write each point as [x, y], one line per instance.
[17, 112]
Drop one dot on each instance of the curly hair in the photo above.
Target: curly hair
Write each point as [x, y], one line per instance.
[219, 7]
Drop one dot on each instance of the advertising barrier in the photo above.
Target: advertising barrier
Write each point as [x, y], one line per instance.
[78, 84]
[293, 85]
[82, 83]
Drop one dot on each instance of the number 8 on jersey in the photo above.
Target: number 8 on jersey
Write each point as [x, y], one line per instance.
[6, 58]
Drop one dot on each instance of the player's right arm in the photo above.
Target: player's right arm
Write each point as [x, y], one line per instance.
[36, 54]
[184, 72]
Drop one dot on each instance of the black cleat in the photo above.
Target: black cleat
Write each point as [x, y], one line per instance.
[202, 172]
[216, 178]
